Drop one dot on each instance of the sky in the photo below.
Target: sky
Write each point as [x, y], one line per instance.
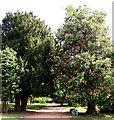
[53, 11]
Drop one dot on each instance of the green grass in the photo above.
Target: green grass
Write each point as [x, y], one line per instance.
[34, 106]
[12, 115]
[80, 109]
[105, 116]
[42, 99]
[101, 116]
[16, 115]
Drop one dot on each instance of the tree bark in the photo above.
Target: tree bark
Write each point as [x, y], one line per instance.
[91, 110]
[69, 103]
[30, 99]
[17, 102]
[4, 106]
[23, 102]
[61, 104]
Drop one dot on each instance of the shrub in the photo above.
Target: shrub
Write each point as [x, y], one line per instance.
[42, 99]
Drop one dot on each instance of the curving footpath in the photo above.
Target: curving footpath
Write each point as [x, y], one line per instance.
[50, 111]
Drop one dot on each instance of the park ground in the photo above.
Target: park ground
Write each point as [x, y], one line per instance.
[53, 111]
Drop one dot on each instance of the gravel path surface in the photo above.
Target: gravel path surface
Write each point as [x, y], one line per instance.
[50, 111]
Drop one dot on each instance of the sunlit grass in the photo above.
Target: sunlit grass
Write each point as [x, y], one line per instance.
[80, 109]
[105, 116]
[36, 106]
[101, 116]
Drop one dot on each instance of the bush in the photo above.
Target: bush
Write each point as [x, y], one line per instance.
[42, 99]
[35, 106]
[11, 106]
[108, 107]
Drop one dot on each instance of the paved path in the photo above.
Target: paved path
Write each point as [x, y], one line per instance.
[49, 111]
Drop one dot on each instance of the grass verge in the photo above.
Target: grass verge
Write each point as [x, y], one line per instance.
[16, 115]
[13, 116]
[105, 116]
[101, 116]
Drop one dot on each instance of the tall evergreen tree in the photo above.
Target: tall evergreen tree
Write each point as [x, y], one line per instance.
[32, 40]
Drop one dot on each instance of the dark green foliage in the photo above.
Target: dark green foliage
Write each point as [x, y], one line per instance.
[32, 41]
[10, 70]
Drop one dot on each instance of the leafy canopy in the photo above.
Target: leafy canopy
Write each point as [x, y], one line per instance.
[10, 70]
[32, 40]
[81, 66]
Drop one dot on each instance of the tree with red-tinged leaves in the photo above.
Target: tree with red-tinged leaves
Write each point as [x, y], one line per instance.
[81, 66]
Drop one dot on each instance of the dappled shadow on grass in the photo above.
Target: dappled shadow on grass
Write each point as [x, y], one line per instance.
[29, 106]
[14, 114]
[103, 116]
[33, 113]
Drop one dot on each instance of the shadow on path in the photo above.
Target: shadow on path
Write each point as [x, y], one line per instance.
[50, 111]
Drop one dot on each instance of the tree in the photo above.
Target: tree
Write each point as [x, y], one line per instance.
[107, 105]
[32, 41]
[10, 78]
[81, 66]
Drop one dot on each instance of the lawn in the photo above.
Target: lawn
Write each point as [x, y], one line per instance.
[15, 115]
[105, 116]
[33, 106]
[101, 116]
[36, 106]
[80, 109]
[11, 116]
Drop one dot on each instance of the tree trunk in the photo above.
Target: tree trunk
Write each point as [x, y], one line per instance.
[17, 102]
[30, 99]
[4, 106]
[69, 103]
[91, 110]
[11, 98]
[23, 102]
[61, 104]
